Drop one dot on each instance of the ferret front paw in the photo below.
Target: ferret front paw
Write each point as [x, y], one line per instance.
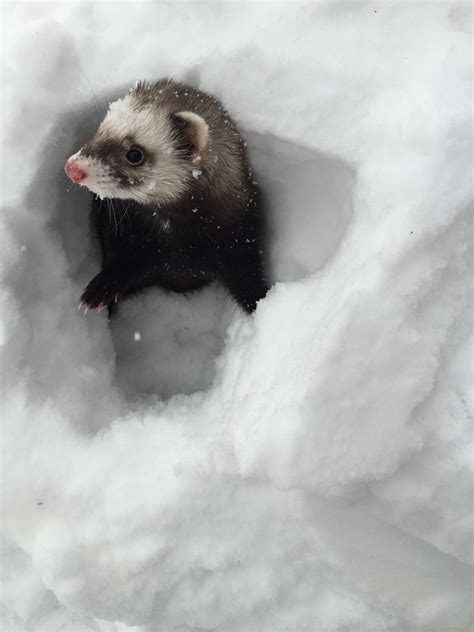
[101, 291]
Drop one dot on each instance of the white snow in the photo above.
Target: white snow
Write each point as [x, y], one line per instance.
[308, 468]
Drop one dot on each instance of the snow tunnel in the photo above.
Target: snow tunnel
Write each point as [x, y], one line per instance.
[303, 468]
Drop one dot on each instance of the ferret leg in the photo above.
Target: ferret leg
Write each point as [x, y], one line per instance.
[116, 281]
[245, 279]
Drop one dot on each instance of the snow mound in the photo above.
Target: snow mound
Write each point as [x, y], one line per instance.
[190, 467]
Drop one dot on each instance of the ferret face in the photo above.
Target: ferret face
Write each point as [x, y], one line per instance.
[140, 152]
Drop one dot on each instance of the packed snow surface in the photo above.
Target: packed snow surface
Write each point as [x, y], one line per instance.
[307, 468]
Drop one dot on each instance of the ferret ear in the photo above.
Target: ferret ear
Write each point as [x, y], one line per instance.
[195, 132]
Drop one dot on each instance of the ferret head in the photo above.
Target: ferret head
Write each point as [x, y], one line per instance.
[141, 151]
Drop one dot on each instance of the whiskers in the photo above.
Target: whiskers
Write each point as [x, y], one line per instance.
[117, 216]
[125, 214]
[110, 206]
[100, 108]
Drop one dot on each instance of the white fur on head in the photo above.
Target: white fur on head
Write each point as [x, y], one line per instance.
[100, 178]
[150, 127]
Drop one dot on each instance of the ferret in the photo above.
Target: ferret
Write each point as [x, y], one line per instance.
[175, 203]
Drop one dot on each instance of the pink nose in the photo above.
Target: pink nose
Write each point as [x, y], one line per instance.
[74, 171]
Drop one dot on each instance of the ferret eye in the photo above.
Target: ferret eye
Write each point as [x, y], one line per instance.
[134, 156]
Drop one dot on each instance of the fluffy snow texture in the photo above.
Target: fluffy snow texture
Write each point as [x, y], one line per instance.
[308, 468]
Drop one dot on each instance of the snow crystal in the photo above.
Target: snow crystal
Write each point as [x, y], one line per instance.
[306, 468]
[196, 173]
[166, 225]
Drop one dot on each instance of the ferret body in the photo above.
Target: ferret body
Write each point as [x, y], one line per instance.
[176, 205]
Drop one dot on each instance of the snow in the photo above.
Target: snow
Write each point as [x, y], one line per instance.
[307, 468]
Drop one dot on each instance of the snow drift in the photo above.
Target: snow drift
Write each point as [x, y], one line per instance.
[306, 468]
